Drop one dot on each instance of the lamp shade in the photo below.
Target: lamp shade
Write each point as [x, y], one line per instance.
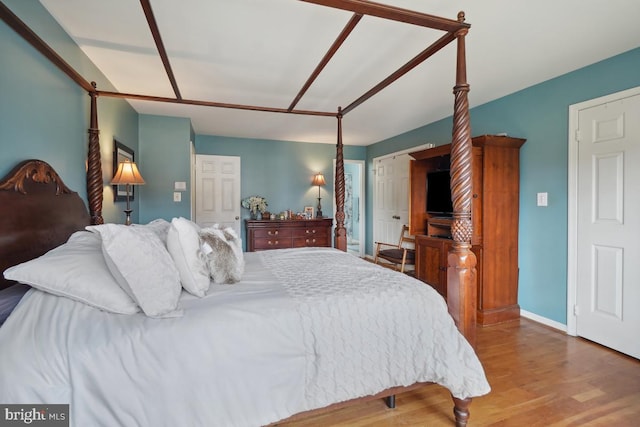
[318, 179]
[127, 173]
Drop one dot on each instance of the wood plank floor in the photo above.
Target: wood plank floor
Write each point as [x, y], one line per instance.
[539, 377]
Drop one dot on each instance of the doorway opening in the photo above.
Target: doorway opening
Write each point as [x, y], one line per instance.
[354, 191]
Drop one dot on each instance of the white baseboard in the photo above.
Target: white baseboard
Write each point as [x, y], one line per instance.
[548, 322]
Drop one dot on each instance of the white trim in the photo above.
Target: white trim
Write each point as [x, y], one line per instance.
[408, 150]
[547, 322]
[572, 216]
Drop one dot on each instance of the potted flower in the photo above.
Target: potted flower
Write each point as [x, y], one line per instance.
[255, 204]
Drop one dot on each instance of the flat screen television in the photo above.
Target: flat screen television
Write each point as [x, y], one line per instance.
[439, 193]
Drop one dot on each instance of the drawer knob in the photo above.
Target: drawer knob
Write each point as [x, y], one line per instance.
[273, 243]
[311, 231]
[272, 233]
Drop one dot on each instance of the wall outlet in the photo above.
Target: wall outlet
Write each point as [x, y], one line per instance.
[177, 196]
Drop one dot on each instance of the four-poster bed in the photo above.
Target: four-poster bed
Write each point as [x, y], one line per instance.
[461, 269]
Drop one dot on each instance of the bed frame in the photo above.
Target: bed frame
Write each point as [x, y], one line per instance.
[38, 212]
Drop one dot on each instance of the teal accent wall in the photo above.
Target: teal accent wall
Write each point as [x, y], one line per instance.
[164, 158]
[281, 171]
[541, 115]
[45, 115]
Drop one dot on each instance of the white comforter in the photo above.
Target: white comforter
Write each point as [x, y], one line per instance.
[304, 328]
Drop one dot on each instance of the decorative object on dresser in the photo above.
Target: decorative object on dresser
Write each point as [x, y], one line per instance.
[494, 216]
[397, 256]
[127, 175]
[255, 204]
[318, 179]
[308, 212]
[291, 233]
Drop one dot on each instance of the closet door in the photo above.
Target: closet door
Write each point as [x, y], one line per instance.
[391, 198]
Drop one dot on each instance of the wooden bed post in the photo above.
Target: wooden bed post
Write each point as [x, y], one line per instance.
[461, 271]
[341, 231]
[94, 166]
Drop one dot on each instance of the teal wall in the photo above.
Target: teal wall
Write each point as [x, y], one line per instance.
[163, 160]
[539, 114]
[280, 171]
[45, 115]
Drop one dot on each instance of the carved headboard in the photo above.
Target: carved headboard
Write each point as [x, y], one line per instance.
[37, 213]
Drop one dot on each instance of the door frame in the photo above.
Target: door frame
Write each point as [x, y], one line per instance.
[572, 212]
[373, 164]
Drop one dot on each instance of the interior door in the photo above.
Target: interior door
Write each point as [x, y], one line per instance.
[217, 198]
[608, 224]
[391, 198]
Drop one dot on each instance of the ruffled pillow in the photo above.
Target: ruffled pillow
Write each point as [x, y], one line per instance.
[183, 245]
[141, 265]
[223, 249]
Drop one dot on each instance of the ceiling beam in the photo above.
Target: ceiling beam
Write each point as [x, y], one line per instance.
[327, 57]
[32, 38]
[414, 62]
[212, 104]
[155, 31]
[393, 13]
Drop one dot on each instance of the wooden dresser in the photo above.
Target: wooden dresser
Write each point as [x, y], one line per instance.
[288, 233]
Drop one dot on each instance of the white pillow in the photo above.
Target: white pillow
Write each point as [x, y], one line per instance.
[223, 250]
[76, 270]
[142, 267]
[183, 245]
[159, 226]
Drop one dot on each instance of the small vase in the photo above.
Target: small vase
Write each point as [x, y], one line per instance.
[254, 215]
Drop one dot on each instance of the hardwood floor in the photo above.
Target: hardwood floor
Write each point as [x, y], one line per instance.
[539, 377]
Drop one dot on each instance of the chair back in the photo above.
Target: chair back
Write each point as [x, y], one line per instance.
[406, 240]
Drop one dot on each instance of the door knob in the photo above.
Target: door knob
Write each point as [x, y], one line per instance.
[237, 218]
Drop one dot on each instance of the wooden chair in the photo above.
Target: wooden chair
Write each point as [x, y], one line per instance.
[397, 256]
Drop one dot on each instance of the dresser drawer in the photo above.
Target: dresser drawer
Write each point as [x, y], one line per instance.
[302, 242]
[272, 233]
[271, 243]
[311, 232]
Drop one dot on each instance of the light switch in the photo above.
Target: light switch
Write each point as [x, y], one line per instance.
[177, 196]
[179, 186]
[542, 199]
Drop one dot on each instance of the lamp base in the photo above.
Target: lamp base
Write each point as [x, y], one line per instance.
[128, 213]
[319, 209]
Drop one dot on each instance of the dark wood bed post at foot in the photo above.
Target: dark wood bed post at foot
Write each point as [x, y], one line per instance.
[341, 231]
[94, 167]
[461, 271]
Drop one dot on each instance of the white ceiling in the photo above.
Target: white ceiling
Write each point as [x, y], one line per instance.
[261, 52]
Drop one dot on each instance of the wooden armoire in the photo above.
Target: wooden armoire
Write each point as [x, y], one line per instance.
[494, 216]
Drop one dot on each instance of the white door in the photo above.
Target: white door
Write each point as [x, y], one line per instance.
[217, 191]
[391, 197]
[608, 223]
